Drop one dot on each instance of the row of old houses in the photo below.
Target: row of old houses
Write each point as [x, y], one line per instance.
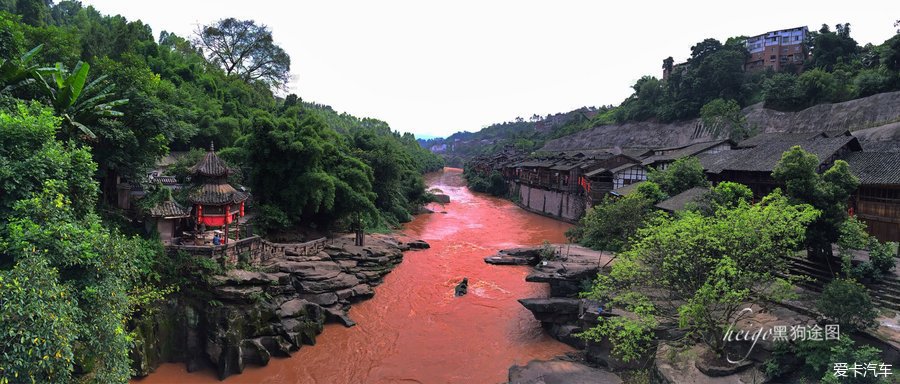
[565, 184]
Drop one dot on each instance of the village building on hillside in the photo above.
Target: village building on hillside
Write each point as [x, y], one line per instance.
[877, 202]
[776, 50]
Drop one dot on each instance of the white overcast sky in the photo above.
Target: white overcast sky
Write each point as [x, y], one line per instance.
[434, 68]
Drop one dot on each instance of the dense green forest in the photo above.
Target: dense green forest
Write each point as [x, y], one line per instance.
[837, 69]
[88, 99]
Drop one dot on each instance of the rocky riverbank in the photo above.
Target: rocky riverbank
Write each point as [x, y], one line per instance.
[568, 271]
[249, 316]
[564, 314]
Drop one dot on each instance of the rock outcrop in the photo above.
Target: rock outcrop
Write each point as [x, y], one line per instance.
[559, 372]
[246, 317]
[442, 198]
[515, 256]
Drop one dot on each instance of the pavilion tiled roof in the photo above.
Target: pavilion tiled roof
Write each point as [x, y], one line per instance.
[217, 194]
[875, 168]
[211, 165]
[169, 209]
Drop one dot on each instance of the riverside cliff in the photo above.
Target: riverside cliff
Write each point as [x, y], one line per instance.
[249, 316]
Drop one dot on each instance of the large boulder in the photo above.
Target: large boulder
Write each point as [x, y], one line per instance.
[442, 198]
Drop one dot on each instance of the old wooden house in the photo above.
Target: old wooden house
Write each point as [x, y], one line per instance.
[752, 166]
[877, 201]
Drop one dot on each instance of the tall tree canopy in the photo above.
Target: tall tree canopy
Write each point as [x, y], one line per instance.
[245, 49]
[827, 192]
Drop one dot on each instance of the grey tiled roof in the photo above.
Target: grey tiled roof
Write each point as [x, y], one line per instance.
[210, 165]
[217, 194]
[685, 151]
[624, 190]
[764, 157]
[875, 168]
[764, 138]
[169, 209]
[677, 202]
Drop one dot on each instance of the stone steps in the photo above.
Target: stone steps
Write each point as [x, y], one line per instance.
[885, 293]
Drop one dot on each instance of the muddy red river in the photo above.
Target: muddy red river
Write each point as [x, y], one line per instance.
[414, 330]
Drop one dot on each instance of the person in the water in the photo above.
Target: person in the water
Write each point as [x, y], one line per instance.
[463, 287]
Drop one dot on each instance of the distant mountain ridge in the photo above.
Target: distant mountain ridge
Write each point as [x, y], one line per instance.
[526, 135]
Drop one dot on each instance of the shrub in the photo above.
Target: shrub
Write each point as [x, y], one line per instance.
[846, 302]
[547, 252]
[881, 256]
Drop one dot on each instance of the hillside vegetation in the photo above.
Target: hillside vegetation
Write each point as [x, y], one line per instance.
[663, 112]
[88, 101]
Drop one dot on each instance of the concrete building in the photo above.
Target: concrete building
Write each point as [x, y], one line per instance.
[777, 49]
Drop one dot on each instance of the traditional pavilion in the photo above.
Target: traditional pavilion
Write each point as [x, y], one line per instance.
[216, 203]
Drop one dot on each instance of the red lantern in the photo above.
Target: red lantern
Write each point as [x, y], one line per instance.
[228, 216]
[242, 209]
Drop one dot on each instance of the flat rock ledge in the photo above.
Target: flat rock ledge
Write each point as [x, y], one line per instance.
[559, 372]
[515, 256]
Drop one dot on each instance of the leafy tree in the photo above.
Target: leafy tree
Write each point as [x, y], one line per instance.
[889, 54]
[33, 12]
[38, 320]
[29, 155]
[245, 49]
[871, 81]
[817, 86]
[832, 47]
[724, 118]
[708, 267]
[651, 191]
[818, 358]
[668, 64]
[827, 192]
[89, 279]
[301, 167]
[15, 74]
[612, 224]
[725, 195]
[683, 174]
[853, 236]
[80, 103]
[846, 302]
[781, 93]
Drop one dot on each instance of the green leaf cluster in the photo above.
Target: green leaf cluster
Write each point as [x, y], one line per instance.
[697, 271]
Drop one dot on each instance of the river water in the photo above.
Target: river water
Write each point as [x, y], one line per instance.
[414, 330]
